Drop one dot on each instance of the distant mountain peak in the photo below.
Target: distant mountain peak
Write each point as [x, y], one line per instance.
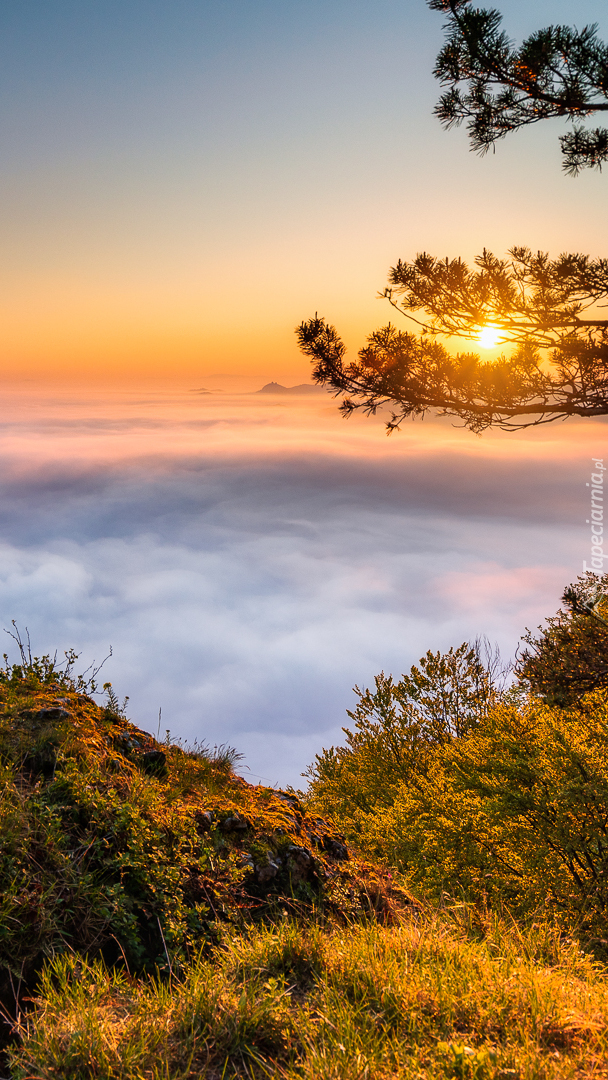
[301, 388]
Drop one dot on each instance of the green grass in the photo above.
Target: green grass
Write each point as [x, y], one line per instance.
[437, 996]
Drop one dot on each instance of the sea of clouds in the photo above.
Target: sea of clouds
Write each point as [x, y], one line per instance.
[251, 558]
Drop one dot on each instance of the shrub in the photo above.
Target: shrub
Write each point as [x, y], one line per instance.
[515, 811]
[569, 656]
[398, 729]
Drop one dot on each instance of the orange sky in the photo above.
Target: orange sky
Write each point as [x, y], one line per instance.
[180, 186]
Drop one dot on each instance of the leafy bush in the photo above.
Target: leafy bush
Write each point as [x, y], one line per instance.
[516, 811]
[569, 657]
[494, 796]
[398, 729]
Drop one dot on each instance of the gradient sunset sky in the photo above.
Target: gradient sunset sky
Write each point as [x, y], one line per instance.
[182, 182]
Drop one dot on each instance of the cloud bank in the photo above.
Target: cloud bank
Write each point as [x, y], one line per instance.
[250, 561]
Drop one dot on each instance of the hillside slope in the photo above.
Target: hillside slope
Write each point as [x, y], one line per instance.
[117, 846]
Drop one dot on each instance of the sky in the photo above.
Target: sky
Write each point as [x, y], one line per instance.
[180, 185]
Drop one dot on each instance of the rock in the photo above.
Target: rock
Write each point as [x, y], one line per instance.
[292, 822]
[245, 861]
[291, 800]
[235, 823]
[204, 820]
[336, 848]
[266, 872]
[301, 864]
[126, 742]
[47, 715]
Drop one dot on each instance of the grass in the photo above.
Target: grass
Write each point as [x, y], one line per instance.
[436, 996]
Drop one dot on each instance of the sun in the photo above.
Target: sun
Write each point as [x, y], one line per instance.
[489, 336]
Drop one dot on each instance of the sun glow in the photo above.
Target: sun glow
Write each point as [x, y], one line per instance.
[488, 337]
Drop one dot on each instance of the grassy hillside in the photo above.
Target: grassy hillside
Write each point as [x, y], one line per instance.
[161, 919]
[118, 847]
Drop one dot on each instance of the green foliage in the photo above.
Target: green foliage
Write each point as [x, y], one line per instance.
[556, 71]
[496, 796]
[535, 300]
[44, 670]
[514, 811]
[113, 706]
[418, 374]
[569, 657]
[517, 811]
[440, 995]
[398, 728]
[93, 856]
